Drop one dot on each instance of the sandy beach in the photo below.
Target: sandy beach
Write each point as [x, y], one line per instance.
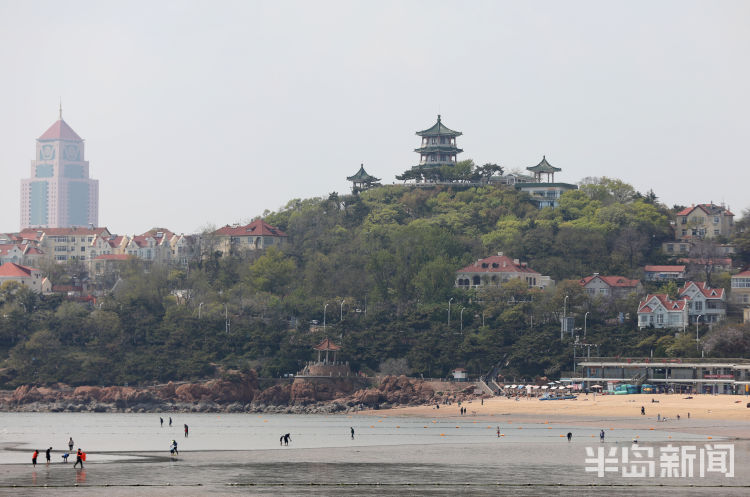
[724, 415]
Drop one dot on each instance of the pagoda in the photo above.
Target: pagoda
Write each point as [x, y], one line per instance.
[438, 146]
[362, 181]
[544, 167]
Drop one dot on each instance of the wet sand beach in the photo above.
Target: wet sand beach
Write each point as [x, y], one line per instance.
[394, 452]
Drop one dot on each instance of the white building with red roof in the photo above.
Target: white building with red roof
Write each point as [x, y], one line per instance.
[59, 192]
[496, 270]
[659, 311]
[257, 235]
[616, 287]
[705, 304]
[67, 244]
[704, 221]
[26, 276]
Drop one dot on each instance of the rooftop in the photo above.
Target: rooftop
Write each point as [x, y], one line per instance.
[439, 129]
[60, 131]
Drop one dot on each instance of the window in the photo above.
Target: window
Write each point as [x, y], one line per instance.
[684, 220]
[684, 232]
[660, 319]
[442, 139]
[670, 247]
[61, 257]
[716, 232]
[83, 249]
[716, 220]
[433, 140]
[698, 306]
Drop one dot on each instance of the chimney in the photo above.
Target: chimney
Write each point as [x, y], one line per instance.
[500, 254]
[596, 274]
[516, 262]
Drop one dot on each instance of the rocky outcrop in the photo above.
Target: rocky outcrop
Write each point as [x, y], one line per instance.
[234, 391]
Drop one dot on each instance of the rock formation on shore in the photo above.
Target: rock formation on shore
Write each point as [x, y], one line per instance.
[233, 392]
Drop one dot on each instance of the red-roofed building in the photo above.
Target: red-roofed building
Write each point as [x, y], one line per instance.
[741, 288]
[664, 273]
[610, 286]
[704, 221]
[705, 304]
[660, 312]
[26, 276]
[257, 235]
[66, 244]
[496, 270]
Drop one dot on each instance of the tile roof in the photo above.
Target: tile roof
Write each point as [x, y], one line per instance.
[664, 269]
[439, 129]
[497, 264]
[7, 247]
[710, 209]
[615, 281]
[60, 131]
[256, 228]
[166, 234]
[669, 305]
[702, 286]
[742, 274]
[73, 230]
[327, 344]
[10, 269]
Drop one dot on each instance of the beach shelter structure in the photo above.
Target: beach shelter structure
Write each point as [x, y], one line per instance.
[327, 346]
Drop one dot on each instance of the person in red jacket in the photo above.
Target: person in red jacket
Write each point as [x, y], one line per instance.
[79, 458]
[33, 457]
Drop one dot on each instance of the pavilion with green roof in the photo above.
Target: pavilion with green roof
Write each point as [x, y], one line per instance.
[438, 146]
[361, 180]
[544, 167]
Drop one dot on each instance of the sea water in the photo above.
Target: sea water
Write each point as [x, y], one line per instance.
[227, 453]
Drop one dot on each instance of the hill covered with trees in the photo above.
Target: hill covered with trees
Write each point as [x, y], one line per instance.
[378, 269]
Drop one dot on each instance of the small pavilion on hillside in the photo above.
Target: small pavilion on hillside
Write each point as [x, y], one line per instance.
[327, 346]
[362, 181]
[544, 167]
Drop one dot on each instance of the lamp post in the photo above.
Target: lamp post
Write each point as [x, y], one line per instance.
[199, 309]
[565, 305]
[341, 313]
[449, 311]
[324, 317]
[585, 318]
[462, 320]
[226, 319]
[697, 321]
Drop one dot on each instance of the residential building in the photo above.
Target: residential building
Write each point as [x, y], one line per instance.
[496, 270]
[257, 235]
[740, 294]
[67, 244]
[26, 276]
[704, 221]
[106, 264]
[664, 273]
[544, 193]
[660, 312]
[11, 252]
[705, 304]
[616, 287]
[59, 193]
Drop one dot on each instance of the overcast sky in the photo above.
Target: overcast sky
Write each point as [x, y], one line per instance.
[199, 113]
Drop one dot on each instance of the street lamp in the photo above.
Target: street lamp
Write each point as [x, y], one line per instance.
[562, 324]
[462, 320]
[449, 311]
[585, 317]
[226, 319]
[324, 317]
[341, 313]
[697, 321]
[199, 309]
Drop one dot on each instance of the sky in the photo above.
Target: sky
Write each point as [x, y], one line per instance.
[206, 113]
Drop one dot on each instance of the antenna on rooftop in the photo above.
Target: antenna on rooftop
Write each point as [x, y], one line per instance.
[61, 108]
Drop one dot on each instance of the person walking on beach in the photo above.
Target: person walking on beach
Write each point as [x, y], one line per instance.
[161, 422]
[34, 456]
[48, 456]
[173, 448]
[570, 436]
[170, 420]
[70, 444]
[351, 428]
[498, 432]
[79, 458]
[643, 411]
[601, 436]
[186, 430]
[287, 438]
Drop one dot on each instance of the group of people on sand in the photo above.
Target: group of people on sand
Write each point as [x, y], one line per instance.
[161, 423]
[80, 455]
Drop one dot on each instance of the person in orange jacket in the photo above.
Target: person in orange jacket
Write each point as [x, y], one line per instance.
[33, 457]
[79, 458]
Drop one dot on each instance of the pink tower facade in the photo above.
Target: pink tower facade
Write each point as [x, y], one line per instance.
[59, 193]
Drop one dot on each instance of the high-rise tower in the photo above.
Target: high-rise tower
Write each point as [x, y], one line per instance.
[59, 193]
